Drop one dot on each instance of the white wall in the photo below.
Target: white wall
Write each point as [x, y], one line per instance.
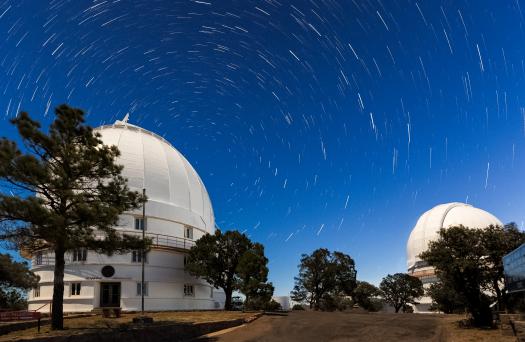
[164, 273]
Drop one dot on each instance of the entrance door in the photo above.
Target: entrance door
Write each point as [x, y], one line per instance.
[110, 294]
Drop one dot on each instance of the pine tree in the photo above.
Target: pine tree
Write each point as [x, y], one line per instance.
[63, 191]
[15, 279]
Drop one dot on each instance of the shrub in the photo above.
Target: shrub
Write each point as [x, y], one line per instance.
[272, 306]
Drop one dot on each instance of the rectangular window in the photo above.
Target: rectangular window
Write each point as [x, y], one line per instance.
[139, 289]
[140, 223]
[80, 254]
[188, 290]
[38, 258]
[185, 260]
[188, 233]
[36, 292]
[75, 289]
[211, 292]
[136, 256]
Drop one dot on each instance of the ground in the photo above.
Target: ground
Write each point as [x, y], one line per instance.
[97, 323]
[300, 326]
[337, 326]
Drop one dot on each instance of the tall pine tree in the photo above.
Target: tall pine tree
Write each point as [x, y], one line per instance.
[63, 191]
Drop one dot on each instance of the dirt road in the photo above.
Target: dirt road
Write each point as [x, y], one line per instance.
[337, 326]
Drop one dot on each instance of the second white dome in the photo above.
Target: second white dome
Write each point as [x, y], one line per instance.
[444, 216]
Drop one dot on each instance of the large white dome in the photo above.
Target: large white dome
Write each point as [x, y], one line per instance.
[174, 189]
[444, 216]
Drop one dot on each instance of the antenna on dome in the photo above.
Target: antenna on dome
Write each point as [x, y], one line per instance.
[126, 118]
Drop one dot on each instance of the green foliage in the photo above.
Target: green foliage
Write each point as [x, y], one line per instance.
[469, 263]
[16, 274]
[376, 304]
[323, 278]
[260, 297]
[64, 191]
[12, 299]
[272, 305]
[344, 273]
[445, 298]
[232, 262]
[408, 309]
[252, 274]
[496, 243]
[298, 307]
[15, 278]
[401, 289]
[456, 256]
[364, 295]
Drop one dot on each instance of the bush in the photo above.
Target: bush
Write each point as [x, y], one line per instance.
[408, 309]
[345, 303]
[328, 303]
[298, 307]
[365, 295]
[375, 304]
[272, 306]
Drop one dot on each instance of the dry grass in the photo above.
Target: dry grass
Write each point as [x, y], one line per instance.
[449, 323]
[455, 333]
[83, 325]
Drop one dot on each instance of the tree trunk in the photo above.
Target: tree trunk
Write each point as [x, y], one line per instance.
[501, 305]
[397, 308]
[228, 303]
[57, 314]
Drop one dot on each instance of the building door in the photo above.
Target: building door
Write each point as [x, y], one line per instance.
[110, 294]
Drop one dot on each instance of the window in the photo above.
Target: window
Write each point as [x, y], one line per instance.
[36, 292]
[188, 290]
[140, 223]
[139, 288]
[80, 254]
[188, 233]
[38, 258]
[136, 256]
[211, 292]
[185, 260]
[75, 289]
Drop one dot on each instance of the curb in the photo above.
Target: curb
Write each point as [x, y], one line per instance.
[227, 330]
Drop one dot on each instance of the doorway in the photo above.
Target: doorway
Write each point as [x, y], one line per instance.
[110, 295]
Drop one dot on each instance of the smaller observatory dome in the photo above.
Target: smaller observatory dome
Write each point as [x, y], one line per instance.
[444, 216]
[174, 189]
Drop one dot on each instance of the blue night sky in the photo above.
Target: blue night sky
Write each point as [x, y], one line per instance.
[312, 123]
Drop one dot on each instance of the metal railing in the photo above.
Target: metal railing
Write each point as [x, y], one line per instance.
[163, 240]
[157, 240]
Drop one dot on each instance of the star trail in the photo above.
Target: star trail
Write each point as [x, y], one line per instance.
[312, 123]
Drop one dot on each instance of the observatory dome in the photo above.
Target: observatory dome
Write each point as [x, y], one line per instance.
[443, 216]
[174, 189]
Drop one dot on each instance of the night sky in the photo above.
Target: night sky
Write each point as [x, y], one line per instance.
[312, 123]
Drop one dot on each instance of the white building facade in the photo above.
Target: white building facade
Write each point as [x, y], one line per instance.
[427, 229]
[178, 212]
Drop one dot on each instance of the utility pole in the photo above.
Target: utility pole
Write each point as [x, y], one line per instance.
[143, 319]
[143, 255]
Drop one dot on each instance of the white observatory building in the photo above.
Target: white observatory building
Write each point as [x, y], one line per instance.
[427, 229]
[177, 213]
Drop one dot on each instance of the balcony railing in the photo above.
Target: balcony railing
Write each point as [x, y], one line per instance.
[157, 240]
[163, 240]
